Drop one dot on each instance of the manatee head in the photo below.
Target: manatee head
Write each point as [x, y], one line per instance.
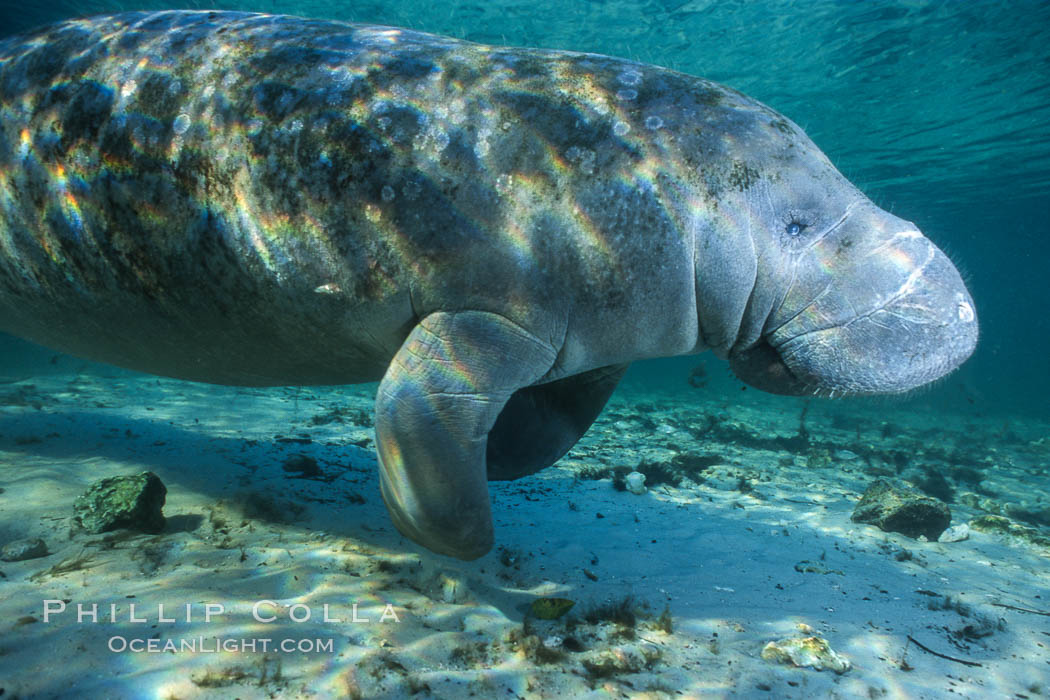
[808, 287]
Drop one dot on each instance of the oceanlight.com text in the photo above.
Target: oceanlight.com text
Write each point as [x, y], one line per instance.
[208, 645]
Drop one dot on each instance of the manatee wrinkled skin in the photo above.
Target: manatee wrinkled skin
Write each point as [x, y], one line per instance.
[492, 232]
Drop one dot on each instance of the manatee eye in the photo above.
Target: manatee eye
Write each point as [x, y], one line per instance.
[795, 228]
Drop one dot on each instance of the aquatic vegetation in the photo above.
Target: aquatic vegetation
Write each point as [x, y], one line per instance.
[265, 670]
[674, 472]
[550, 608]
[621, 611]
[540, 651]
[473, 654]
[1005, 526]
[152, 555]
[343, 414]
[664, 623]
[220, 678]
[656, 473]
[592, 473]
[692, 465]
[79, 562]
[620, 660]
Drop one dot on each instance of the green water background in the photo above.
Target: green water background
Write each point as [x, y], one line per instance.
[939, 111]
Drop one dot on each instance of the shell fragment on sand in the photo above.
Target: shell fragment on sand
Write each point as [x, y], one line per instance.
[813, 652]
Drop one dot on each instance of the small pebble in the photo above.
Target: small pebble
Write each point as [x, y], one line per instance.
[956, 533]
[181, 124]
[636, 483]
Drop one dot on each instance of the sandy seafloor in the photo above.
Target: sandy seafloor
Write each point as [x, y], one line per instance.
[718, 552]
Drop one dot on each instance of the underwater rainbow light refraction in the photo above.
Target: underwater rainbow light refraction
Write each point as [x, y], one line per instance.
[937, 110]
[739, 528]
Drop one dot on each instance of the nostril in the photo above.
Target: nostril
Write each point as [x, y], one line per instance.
[964, 309]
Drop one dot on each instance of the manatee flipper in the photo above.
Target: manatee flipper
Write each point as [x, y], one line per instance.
[435, 407]
[541, 423]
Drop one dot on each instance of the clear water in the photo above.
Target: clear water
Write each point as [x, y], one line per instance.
[940, 111]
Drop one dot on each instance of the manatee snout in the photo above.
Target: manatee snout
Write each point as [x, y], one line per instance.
[889, 313]
[921, 335]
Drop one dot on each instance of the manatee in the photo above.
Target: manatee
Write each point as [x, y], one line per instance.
[493, 233]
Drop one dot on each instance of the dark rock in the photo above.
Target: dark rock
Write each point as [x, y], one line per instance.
[899, 508]
[133, 502]
[20, 550]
